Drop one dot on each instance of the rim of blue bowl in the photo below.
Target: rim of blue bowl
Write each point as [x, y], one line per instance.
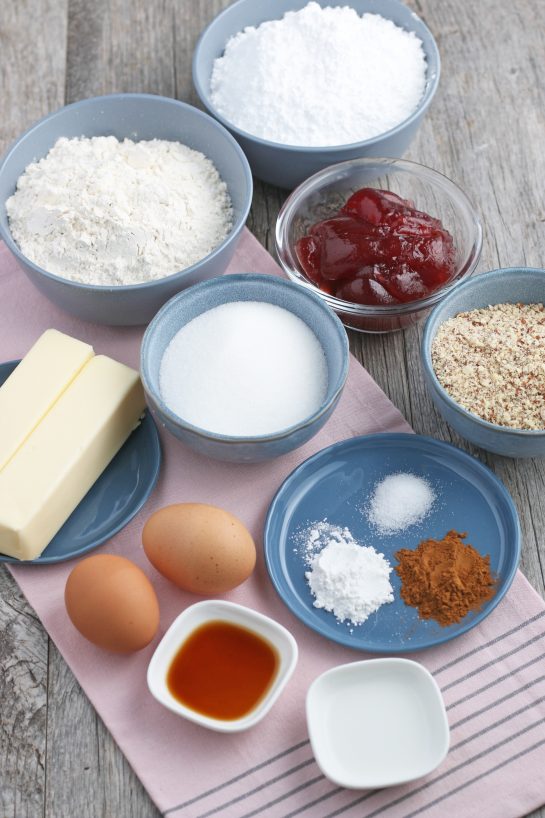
[427, 340]
[240, 278]
[5, 234]
[352, 309]
[432, 82]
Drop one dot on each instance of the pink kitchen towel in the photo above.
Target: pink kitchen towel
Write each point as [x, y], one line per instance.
[492, 678]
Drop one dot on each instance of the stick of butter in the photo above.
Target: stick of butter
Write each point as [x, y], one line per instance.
[37, 382]
[59, 462]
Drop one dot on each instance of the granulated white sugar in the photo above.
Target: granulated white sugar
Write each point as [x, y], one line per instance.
[319, 76]
[244, 368]
[398, 501]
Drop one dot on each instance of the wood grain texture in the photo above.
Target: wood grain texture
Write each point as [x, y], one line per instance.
[32, 76]
[484, 130]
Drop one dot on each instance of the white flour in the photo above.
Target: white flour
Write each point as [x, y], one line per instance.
[346, 578]
[100, 211]
[319, 76]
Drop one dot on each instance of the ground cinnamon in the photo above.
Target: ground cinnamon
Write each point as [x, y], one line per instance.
[445, 578]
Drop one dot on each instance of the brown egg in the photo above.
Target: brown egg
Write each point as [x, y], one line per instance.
[112, 603]
[201, 548]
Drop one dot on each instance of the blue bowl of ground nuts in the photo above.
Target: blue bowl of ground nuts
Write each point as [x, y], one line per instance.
[483, 354]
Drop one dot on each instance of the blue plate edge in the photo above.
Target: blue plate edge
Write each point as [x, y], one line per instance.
[345, 639]
[156, 445]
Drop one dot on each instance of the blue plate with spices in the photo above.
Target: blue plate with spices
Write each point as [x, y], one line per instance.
[114, 499]
[335, 486]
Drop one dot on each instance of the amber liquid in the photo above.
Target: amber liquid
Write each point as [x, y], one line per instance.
[222, 670]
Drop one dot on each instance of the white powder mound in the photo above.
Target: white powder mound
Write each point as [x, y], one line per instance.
[100, 211]
[319, 77]
[398, 501]
[350, 580]
[315, 537]
[244, 368]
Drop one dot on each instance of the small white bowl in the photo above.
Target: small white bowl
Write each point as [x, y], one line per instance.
[377, 723]
[211, 610]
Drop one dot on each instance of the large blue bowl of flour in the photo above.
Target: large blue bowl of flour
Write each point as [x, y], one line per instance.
[191, 303]
[511, 285]
[284, 165]
[136, 117]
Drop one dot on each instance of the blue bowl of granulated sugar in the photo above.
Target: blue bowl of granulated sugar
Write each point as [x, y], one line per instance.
[244, 368]
[308, 85]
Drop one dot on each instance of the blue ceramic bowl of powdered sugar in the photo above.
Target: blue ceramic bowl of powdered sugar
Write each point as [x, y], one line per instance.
[244, 368]
[137, 117]
[320, 89]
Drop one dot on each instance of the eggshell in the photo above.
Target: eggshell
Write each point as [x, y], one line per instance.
[112, 603]
[201, 548]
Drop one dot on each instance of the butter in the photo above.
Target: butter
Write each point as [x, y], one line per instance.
[33, 387]
[67, 451]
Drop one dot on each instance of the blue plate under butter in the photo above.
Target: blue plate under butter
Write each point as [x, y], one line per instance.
[336, 482]
[113, 500]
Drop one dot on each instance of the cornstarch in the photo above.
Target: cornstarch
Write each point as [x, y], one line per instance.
[319, 76]
[100, 211]
[346, 578]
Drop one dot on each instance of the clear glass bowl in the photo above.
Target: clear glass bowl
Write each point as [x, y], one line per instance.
[321, 196]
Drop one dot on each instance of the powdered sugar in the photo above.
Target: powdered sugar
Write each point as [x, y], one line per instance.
[346, 578]
[99, 211]
[320, 76]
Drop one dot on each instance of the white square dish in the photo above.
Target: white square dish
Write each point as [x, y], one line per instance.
[377, 723]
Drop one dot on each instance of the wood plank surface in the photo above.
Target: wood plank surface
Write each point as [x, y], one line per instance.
[485, 130]
[32, 77]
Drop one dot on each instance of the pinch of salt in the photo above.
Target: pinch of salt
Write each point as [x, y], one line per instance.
[398, 501]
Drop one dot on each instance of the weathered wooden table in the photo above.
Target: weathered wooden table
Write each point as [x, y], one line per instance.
[485, 130]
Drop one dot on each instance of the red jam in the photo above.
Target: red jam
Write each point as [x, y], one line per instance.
[378, 250]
